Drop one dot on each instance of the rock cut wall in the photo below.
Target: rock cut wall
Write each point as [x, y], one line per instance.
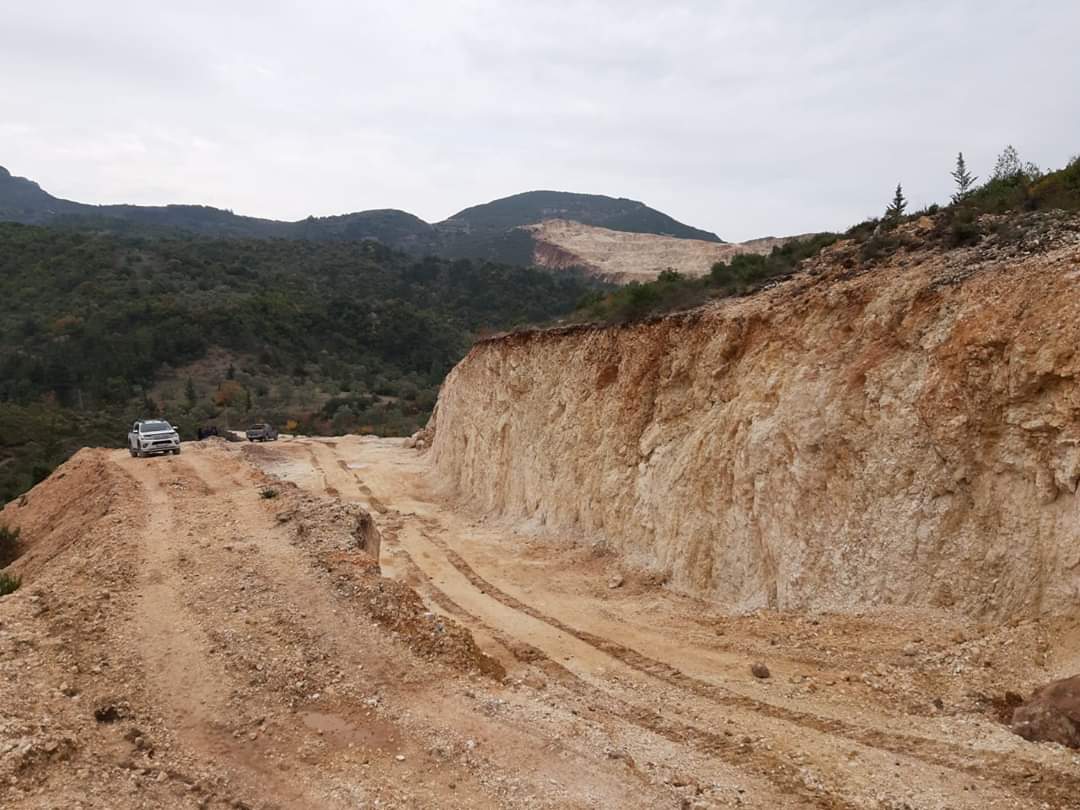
[906, 433]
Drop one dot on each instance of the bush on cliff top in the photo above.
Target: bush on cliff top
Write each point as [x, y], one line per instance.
[672, 291]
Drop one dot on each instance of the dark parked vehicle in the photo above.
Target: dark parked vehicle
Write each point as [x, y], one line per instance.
[261, 432]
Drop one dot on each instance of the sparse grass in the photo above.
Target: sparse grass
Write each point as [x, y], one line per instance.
[267, 493]
[9, 583]
[9, 545]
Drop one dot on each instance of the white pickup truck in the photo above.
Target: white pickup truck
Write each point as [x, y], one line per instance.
[149, 436]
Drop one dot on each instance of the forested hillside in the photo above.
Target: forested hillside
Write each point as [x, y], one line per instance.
[98, 329]
[491, 231]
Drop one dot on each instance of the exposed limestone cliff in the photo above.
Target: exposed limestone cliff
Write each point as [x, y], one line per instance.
[905, 431]
[623, 257]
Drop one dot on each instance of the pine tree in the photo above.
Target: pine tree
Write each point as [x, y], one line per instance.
[190, 393]
[965, 181]
[1008, 164]
[896, 207]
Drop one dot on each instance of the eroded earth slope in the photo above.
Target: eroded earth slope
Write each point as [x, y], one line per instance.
[900, 428]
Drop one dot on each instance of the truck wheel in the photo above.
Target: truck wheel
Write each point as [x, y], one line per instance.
[176, 452]
[132, 452]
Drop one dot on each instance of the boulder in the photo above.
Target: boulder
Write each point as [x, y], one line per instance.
[1052, 714]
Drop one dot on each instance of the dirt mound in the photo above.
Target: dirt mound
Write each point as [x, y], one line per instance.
[1052, 714]
[174, 607]
[63, 509]
[342, 537]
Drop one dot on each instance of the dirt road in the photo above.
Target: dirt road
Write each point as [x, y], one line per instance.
[880, 710]
[195, 631]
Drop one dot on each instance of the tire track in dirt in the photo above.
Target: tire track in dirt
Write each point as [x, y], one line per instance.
[1010, 773]
[289, 610]
[300, 585]
[756, 763]
[421, 537]
[175, 650]
[554, 644]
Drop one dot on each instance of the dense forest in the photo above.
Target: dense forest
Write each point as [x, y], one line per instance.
[331, 336]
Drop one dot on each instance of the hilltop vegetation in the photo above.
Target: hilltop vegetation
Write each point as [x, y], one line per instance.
[616, 214]
[1013, 187]
[674, 291]
[491, 231]
[98, 330]
[1020, 186]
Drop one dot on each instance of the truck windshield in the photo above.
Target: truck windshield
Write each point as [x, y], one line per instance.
[155, 427]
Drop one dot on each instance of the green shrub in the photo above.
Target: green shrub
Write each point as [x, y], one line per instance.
[266, 493]
[9, 583]
[963, 229]
[863, 230]
[9, 545]
[878, 246]
[1017, 186]
[672, 291]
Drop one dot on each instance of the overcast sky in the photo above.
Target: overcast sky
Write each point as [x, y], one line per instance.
[744, 118]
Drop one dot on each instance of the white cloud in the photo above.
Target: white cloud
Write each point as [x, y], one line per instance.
[743, 118]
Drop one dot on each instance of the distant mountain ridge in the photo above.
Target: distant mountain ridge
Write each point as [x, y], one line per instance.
[22, 200]
[494, 230]
[531, 207]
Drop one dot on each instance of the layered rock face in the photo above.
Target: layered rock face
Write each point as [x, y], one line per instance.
[904, 431]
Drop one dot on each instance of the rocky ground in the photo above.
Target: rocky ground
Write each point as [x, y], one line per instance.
[211, 630]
